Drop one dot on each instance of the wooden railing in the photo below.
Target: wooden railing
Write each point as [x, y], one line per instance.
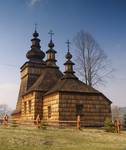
[38, 123]
[78, 123]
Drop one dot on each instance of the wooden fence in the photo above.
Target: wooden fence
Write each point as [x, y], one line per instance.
[40, 123]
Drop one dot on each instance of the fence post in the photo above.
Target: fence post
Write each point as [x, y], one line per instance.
[78, 122]
[5, 120]
[117, 125]
[38, 121]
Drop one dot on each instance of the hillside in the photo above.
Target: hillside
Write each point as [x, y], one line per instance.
[60, 139]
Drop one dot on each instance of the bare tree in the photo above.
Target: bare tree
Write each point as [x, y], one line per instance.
[115, 112]
[4, 109]
[92, 63]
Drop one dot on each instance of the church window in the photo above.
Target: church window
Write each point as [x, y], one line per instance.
[68, 68]
[33, 42]
[79, 109]
[25, 107]
[50, 56]
[49, 112]
[29, 106]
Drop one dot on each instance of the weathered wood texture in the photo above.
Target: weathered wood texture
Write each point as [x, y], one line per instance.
[26, 112]
[31, 106]
[95, 108]
[52, 101]
[54, 96]
[29, 74]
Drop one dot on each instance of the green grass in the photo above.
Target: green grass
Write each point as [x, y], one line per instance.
[60, 139]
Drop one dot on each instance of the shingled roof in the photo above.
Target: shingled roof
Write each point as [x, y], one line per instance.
[69, 82]
[71, 85]
[47, 80]
[74, 85]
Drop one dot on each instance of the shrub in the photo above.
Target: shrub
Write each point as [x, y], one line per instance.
[108, 125]
[43, 125]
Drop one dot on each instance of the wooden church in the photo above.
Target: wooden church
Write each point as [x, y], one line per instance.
[54, 95]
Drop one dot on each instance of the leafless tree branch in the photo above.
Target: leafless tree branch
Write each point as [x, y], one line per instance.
[92, 62]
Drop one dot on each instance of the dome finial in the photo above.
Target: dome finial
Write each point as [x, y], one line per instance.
[35, 26]
[68, 55]
[35, 34]
[51, 44]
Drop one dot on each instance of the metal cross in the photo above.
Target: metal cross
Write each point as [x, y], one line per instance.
[36, 26]
[68, 44]
[51, 34]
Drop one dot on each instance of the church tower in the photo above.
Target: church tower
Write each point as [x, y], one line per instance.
[69, 72]
[31, 70]
[51, 61]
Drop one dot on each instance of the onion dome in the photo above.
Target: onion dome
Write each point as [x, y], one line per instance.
[51, 44]
[68, 55]
[35, 54]
[35, 34]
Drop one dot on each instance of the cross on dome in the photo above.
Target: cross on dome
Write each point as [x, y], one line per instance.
[36, 26]
[51, 34]
[68, 44]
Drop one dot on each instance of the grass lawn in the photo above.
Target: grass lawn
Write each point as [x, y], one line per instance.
[60, 139]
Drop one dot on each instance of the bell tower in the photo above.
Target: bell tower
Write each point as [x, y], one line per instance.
[31, 69]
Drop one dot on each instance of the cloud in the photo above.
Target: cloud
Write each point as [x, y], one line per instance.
[33, 2]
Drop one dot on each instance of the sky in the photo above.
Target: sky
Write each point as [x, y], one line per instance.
[104, 19]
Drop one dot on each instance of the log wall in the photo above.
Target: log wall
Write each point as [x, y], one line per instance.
[53, 102]
[25, 113]
[95, 108]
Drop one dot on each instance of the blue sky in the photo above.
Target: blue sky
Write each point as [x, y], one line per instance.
[104, 19]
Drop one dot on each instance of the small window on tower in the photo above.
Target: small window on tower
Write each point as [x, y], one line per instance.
[49, 112]
[79, 109]
[49, 56]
